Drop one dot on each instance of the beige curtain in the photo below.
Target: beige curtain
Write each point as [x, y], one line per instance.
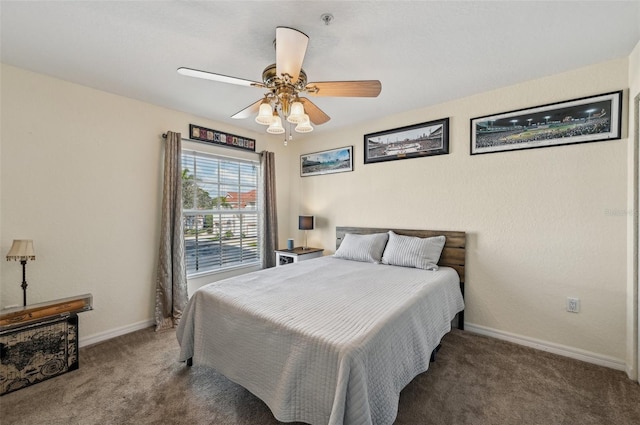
[171, 283]
[269, 228]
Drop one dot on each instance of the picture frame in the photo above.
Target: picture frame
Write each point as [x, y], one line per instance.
[331, 161]
[215, 137]
[587, 119]
[412, 141]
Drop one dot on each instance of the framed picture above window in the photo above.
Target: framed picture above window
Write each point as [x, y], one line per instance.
[216, 137]
[588, 119]
[413, 141]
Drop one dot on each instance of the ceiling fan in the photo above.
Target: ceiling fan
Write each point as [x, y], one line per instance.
[285, 81]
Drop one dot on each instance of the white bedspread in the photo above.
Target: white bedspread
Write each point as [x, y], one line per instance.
[323, 341]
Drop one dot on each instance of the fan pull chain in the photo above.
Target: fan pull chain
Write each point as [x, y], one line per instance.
[287, 126]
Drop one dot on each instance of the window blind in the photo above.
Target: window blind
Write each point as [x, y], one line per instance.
[220, 210]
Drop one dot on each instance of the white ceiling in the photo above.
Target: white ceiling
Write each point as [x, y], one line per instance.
[423, 52]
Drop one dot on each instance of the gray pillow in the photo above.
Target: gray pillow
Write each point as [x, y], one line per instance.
[367, 248]
[411, 251]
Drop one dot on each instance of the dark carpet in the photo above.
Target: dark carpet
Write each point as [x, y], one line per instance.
[135, 379]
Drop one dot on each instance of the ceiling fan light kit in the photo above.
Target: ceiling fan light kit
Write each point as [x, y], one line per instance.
[285, 81]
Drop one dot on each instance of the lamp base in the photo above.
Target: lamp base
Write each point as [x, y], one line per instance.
[24, 282]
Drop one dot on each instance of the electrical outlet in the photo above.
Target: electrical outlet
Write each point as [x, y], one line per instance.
[573, 305]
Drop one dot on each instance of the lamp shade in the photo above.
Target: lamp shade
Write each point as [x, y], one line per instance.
[306, 222]
[21, 249]
[304, 126]
[265, 114]
[297, 113]
[276, 126]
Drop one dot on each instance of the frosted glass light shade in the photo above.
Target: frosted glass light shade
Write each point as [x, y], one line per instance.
[304, 126]
[296, 115]
[265, 114]
[276, 126]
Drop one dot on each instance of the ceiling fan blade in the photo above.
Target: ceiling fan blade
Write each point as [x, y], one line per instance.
[218, 77]
[291, 46]
[249, 111]
[363, 88]
[315, 114]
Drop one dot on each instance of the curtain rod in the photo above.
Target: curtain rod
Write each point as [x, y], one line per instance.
[164, 136]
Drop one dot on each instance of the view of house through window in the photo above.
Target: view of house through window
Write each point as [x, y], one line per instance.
[220, 211]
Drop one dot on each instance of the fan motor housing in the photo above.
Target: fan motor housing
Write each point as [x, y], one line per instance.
[271, 78]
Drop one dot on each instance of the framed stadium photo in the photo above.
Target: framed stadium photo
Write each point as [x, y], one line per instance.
[412, 141]
[327, 162]
[588, 119]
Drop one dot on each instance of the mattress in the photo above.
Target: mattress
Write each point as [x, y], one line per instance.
[323, 341]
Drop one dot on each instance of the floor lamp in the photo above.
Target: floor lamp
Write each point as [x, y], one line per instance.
[22, 249]
[306, 222]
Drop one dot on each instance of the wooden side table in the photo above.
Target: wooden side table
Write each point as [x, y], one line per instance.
[290, 256]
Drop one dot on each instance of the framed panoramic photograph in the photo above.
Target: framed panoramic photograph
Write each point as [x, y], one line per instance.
[588, 119]
[413, 141]
[332, 161]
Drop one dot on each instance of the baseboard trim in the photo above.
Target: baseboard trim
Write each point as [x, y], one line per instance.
[631, 373]
[103, 336]
[562, 350]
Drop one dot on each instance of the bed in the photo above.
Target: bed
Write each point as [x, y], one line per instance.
[328, 340]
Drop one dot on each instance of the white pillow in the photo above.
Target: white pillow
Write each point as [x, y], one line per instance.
[411, 251]
[367, 248]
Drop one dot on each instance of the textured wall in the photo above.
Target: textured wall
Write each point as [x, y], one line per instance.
[543, 224]
[81, 175]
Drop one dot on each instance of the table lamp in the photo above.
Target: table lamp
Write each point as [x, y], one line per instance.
[306, 222]
[22, 249]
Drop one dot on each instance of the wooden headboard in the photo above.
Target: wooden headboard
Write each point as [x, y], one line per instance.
[453, 254]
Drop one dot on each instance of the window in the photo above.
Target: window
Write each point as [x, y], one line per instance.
[219, 201]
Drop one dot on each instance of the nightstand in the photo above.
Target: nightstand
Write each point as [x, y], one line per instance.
[289, 256]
